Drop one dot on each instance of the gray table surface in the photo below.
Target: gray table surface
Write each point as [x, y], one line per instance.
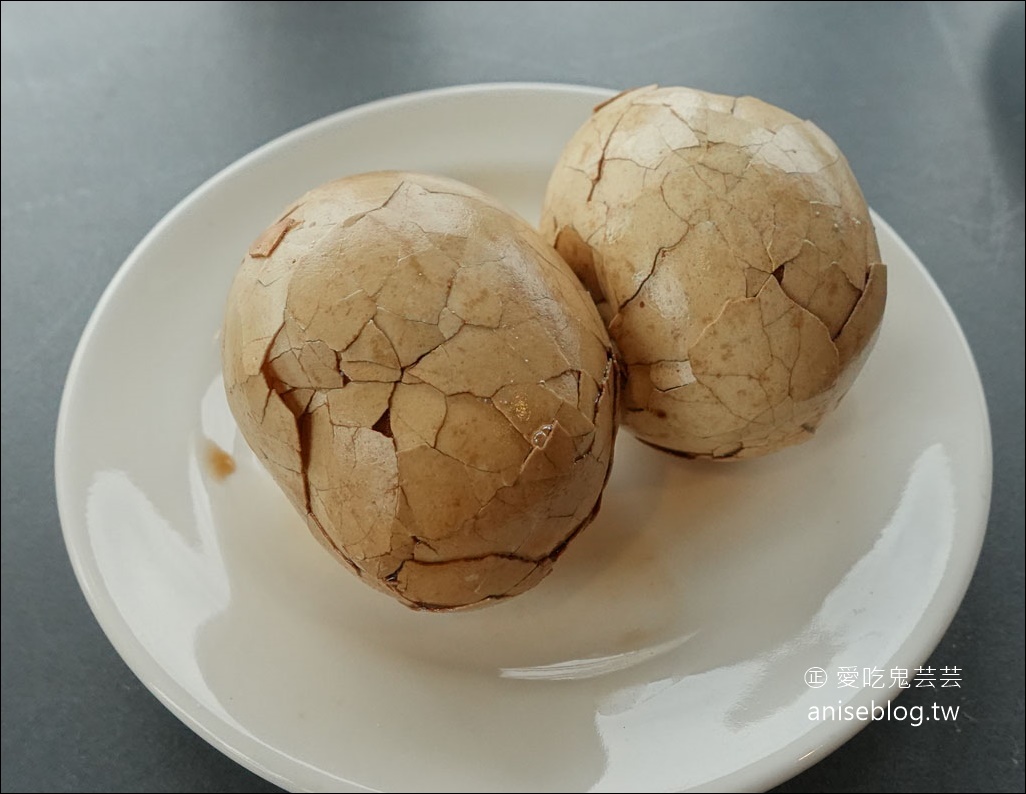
[112, 113]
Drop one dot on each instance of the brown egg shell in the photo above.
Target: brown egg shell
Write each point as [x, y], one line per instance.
[732, 254]
[427, 381]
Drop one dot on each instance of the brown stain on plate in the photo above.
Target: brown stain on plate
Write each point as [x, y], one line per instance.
[218, 463]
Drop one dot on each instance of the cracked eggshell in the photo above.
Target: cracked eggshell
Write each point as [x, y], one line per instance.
[427, 381]
[731, 253]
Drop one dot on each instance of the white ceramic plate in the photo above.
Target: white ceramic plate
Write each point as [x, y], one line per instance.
[668, 649]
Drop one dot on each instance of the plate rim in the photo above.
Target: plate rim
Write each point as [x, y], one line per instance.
[762, 773]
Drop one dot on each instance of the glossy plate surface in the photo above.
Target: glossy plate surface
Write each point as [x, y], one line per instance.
[669, 648]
